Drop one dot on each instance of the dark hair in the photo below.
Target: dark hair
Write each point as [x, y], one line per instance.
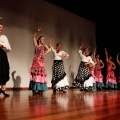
[58, 44]
[1, 24]
[90, 54]
[39, 39]
[97, 55]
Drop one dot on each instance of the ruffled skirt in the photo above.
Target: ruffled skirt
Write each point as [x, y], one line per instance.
[59, 78]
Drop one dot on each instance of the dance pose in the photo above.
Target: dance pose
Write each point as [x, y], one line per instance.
[84, 77]
[38, 81]
[110, 78]
[4, 63]
[98, 72]
[59, 78]
[92, 67]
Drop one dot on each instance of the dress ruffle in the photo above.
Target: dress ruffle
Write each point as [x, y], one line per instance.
[38, 78]
[37, 86]
[37, 71]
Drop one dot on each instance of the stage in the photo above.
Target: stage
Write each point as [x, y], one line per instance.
[72, 105]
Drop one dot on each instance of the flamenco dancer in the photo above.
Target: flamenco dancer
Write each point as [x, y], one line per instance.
[92, 67]
[84, 77]
[98, 72]
[59, 78]
[4, 63]
[38, 81]
[110, 78]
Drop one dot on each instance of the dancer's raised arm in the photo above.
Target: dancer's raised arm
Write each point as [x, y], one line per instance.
[94, 53]
[106, 54]
[82, 44]
[49, 43]
[34, 36]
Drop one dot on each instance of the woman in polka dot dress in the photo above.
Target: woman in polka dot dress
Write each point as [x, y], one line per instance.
[84, 77]
[59, 79]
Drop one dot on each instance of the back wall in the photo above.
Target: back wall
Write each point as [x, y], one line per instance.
[21, 20]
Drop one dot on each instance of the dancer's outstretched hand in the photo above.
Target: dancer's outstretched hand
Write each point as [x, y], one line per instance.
[39, 29]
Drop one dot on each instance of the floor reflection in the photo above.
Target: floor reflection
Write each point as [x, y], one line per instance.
[37, 104]
[60, 100]
[3, 109]
[23, 105]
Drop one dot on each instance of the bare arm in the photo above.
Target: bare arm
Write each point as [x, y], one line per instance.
[106, 54]
[47, 50]
[94, 52]
[65, 55]
[118, 59]
[82, 44]
[114, 66]
[34, 37]
[102, 64]
[49, 43]
[88, 63]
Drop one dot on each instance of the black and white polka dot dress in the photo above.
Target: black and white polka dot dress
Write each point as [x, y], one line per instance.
[84, 77]
[59, 77]
[83, 74]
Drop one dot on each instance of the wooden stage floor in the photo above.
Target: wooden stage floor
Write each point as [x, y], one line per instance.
[73, 105]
